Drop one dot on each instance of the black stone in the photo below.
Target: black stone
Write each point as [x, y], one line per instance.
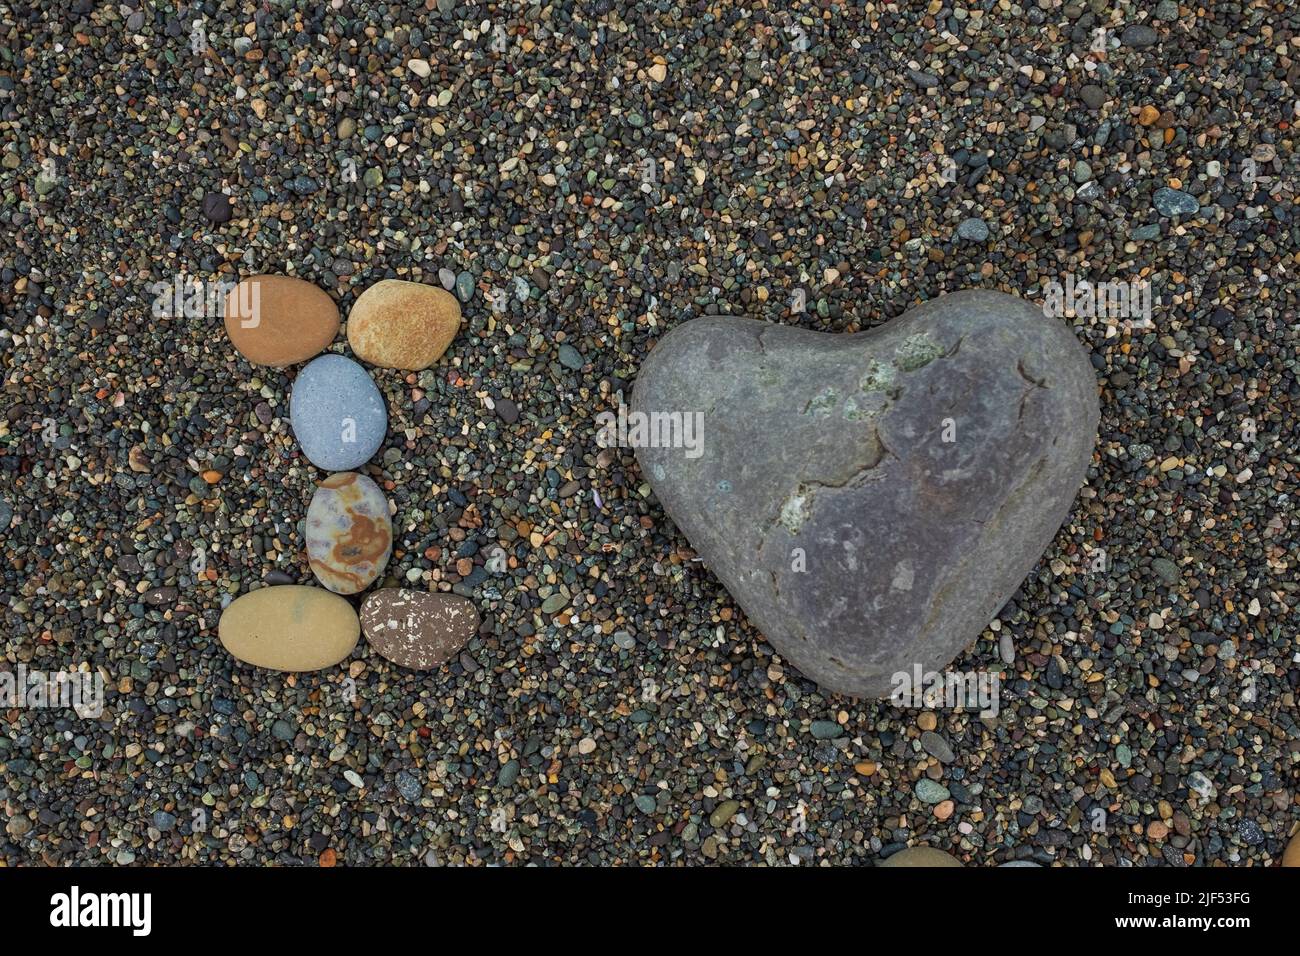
[216, 207]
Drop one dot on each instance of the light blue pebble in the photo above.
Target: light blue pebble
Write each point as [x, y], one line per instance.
[973, 229]
[337, 414]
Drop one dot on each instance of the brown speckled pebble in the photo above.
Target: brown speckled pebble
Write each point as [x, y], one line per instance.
[417, 629]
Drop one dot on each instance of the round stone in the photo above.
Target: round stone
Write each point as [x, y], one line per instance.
[571, 357]
[936, 747]
[1138, 35]
[403, 325]
[337, 414]
[417, 629]
[921, 856]
[289, 628]
[216, 208]
[279, 320]
[928, 791]
[349, 533]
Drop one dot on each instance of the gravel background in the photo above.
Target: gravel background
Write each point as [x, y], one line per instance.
[615, 707]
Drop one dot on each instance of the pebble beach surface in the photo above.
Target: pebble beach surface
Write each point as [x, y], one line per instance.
[583, 180]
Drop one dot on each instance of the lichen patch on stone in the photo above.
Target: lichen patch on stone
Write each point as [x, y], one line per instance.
[797, 509]
[853, 412]
[877, 378]
[916, 351]
[821, 403]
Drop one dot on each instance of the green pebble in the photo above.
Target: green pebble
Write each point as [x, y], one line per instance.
[826, 729]
[723, 813]
[571, 357]
[508, 774]
[1166, 570]
[927, 791]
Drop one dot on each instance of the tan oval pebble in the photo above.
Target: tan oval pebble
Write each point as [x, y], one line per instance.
[921, 856]
[1291, 855]
[417, 629]
[280, 320]
[289, 627]
[403, 325]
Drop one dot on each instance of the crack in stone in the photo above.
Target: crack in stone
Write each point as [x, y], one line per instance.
[887, 450]
[860, 473]
[1033, 384]
[962, 572]
[797, 508]
[1039, 382]
[1016, 492]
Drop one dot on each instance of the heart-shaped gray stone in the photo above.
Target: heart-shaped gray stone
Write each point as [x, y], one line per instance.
[870, 500]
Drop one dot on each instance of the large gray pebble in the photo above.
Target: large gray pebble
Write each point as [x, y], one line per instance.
[825, 496]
